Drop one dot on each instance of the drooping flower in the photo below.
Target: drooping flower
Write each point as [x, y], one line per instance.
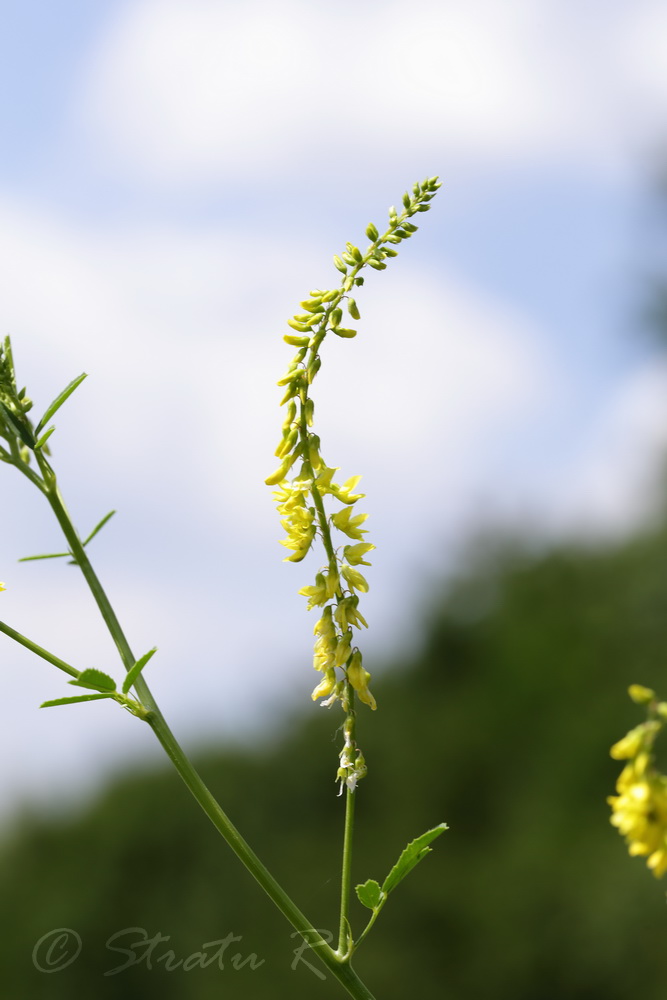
[349, 525]
[317, 595]
[355, 579]
[359, 678]
[355, 553]
[300, 528]
[326, 685]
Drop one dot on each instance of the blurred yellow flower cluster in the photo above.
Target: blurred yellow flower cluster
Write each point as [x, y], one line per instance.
[639, 810]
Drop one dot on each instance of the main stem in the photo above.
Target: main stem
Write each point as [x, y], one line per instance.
[344, 941]
[337, 965]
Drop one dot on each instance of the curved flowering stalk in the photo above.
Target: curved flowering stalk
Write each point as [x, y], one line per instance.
[639, 811]
[301, 500]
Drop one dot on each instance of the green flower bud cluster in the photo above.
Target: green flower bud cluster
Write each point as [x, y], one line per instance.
[301, 495]
[16, 428]
[639, 810]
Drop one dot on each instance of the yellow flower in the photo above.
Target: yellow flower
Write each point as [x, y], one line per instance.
[347, 613]
[641, 695]
[325, 625]
[317, 594]
[355, 579]
[633, 742]
[282, 470]
[324, 652]
[355, 553]
[300, 528]
[2, 586]
[345, 492]
[359, 678]
[326, 685]
[639, 812]
[333, 581]
[344, 649]
[344, 521]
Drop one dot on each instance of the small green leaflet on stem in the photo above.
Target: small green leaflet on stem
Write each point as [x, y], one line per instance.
[61, 555]
[99, 526]
[73, 701]
[370, 894]
[136, 669]
[58, 401]
[95, 679]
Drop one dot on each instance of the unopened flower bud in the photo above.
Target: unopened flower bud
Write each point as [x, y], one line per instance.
[641, 695]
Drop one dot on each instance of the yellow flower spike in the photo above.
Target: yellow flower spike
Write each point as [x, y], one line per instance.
[354, 578]
[359, 678]
[2, 586]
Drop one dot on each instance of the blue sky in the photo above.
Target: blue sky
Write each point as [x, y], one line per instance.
[174, 178]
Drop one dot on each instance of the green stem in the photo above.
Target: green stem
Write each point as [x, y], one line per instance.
[34, 648]
[338, 966]
[376, 914]
[346, 876]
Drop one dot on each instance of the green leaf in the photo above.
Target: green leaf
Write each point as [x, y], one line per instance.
[98, 527]
[73, 701]
[369, 893]
[411, 856]
[59, 400]
[95, 679]
[49, 555]
[17, 427]
[44, 438]
[135, 670]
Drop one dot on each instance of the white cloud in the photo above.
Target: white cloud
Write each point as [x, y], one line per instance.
[184, 92]
[614, 479]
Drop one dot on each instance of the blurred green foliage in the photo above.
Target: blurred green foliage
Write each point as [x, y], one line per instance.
[500, 724]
